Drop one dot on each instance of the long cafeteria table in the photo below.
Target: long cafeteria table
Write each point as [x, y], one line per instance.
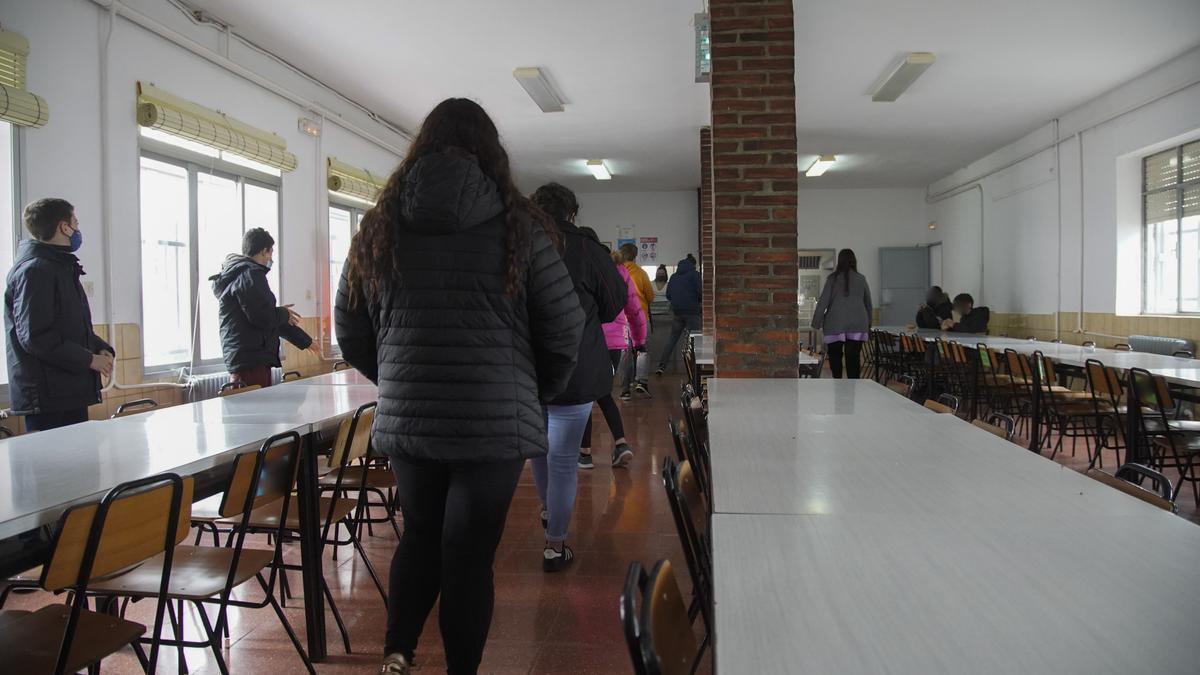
[706, 353]
[42, 474]
[855, 532]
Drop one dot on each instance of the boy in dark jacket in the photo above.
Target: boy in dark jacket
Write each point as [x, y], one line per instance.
[972, 319]
[251, 323]
[684, 293]
[937, 308]
[55, 359]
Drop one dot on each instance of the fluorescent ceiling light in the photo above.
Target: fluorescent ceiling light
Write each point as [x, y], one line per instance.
[820, 165]
[902, 77]
[538, 87]
[596, 166]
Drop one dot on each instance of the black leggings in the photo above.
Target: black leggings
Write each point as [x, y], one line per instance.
[853, 350]
[454, 515]
[612, 414]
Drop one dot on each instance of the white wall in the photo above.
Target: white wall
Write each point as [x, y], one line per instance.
[670, 216]
[64, 157]
[863, 220]
[1033, 262]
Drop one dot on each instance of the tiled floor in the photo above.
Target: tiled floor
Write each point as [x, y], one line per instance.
[559, 623]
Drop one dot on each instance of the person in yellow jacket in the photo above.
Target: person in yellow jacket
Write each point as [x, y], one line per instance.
[635, 378]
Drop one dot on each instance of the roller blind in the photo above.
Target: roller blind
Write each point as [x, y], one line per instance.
[1160, 170]
[1162, 207]
[349, 180]
[1191, 162]
[1191, 202]
[157, 109]
[17, 105]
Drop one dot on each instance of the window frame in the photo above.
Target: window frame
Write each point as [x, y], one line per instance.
[1179, 187]
[16, 140]
[356, 211]
[194, 164]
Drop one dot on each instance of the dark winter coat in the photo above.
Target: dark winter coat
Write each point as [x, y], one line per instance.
[602, 295]
[931, 316]
[684, 289]
[50, 336]
[975, 322]
[463, 367]
[251, 321]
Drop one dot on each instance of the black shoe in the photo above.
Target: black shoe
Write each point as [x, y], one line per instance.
[660, 371]
[640, 388]
[625, 395]
[585, 461]
[622, 455]
[557, 561]
[545, 519]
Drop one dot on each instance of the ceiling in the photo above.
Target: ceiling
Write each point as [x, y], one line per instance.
[1003, 69]
[625, 68]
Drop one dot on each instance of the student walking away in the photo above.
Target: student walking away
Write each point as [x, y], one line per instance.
[251, 322]
[935, 310]
[684, 293]
[602, 295]
[971, 319]
[456, 302]
[55, 358]
[843, 315]
[646, 292]
[626, 333]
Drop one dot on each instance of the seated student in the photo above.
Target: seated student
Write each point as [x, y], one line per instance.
[971, 319]
[937, 308]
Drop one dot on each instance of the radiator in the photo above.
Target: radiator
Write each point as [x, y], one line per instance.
[201, 387]
[1153, 344]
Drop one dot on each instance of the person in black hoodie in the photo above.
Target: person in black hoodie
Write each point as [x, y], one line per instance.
[456, 302]
[684, 291]
[251, 323]
[971, 319]
[602, 295]
[55, 358]
[937, 308]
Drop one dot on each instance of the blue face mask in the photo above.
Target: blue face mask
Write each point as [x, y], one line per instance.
[270, 263]
[76, 240]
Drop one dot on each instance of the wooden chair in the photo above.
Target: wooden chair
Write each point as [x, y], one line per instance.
[950, 401]
[1006, 425]
[351, 463]
[134, 407]
[677, 438]
[1175, 442]
[697, 435]
[668, 644]
[938, 407]
[691, 524]
[135, 521]
[207, 575]
[991, 428]
[634, 588]
[231, 388]
[291, 375]
[1104, 384]
[1125, 484]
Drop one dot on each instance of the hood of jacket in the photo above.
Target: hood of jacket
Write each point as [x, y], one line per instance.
[231, 269]
[447, 192]
[32, 249]
[684, 266]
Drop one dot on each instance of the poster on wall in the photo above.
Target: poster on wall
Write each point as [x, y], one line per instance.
[622, 241]
[648, 251]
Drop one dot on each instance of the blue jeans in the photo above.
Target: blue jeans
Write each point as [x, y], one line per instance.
[556, 474]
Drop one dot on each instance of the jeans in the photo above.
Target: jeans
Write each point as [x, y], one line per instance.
[556, 474]
[679, 324]
[53, 420]
[852, 350]
[454, 515]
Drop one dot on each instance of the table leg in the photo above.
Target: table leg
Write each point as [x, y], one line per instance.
[974, 387]
[308, 495]
[1133, 439]
[1035, 422]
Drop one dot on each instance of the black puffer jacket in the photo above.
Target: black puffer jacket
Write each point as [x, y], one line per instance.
[251, 322]
[50, 336]
[602, 295]
[463, 367]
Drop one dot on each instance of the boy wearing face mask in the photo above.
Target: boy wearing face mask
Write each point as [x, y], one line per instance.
[251, 322]
[55, 358]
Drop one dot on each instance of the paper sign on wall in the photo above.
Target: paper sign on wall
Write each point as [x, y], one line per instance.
[648, 251]
[622, 241]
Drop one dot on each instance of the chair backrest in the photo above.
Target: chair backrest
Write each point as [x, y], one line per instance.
[1104, 382]
[692, 501]
[1139, 473]
[231, 388]
[354, 436]
[1122, 347]
[634, 588]
[951, 401]
[668, 643]
[130, 524]
[676, 438]
[265, 475]
[991, 428]
[1132, 489]
[1151, 390]
[134, 407]
[291, 375]
[341, 365]
[938, 407]
[1004, 422]
[1184, 354]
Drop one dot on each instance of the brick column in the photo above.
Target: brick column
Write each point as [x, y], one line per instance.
[754, 188]
[706, 228]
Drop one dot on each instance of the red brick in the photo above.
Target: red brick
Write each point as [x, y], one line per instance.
[728, 200]
[741, 131]
[784, 186]
[784, 130]
[743, 213]
[743, 270]
[737, 186]
[769, 118]
[781, 22]
[788, 214]
[738, 78]
[770, 256]
[770, 283]
[726, 173]
[788, 297]
[736, 159]
[722, 52]
[751, 146]
[784, 241]
[764, 9]
[781, 336]
[743, 105]
[726, 24]
[745, 348]
[742, 296]
[787, 159]
[782, 49]
[776, 64]
[769, 172]
[769, 228]
[769, 200]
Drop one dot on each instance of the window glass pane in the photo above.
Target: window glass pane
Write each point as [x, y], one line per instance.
[339, 245]
[1189, 261]
[1162, 261]
[7, 226]
[250, 164]
[171, 139]
[166, 261]
[262, 210]
[219, 233]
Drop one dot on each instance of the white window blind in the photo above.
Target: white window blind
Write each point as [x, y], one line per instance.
[17, 105]
[346, 180]
[1171, 234]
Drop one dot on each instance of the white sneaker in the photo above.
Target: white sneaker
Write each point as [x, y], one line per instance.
[395, 664]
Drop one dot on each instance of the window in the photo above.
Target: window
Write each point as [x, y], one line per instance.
[194, 211]
[343, 223]
[1171, 236]
[8, 216]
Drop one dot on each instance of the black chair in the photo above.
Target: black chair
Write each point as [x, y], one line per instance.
[691, 523]
[1128, 479]
[668, 645]
[634, 588]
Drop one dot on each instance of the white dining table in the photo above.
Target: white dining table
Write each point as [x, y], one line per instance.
[338, 378]
[854, 531]
[706, 353]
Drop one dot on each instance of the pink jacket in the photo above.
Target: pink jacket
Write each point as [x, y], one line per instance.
[630, 319]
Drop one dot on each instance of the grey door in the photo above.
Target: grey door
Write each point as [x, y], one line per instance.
[904, 278]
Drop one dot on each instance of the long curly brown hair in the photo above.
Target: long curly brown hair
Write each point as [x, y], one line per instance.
[461, 125]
